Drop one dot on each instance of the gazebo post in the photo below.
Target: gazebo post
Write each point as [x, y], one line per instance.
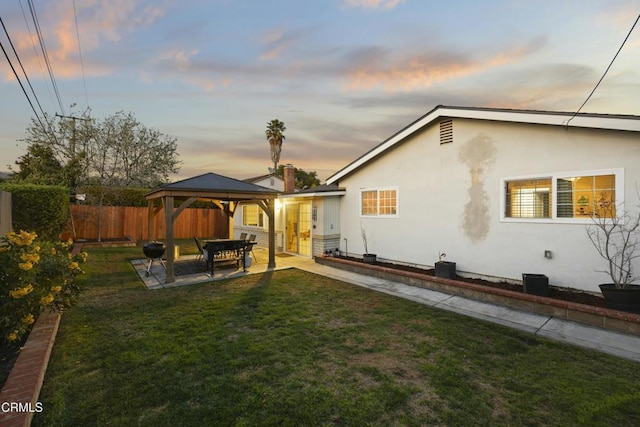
[168, 219]
[230, 211]
[272, 233]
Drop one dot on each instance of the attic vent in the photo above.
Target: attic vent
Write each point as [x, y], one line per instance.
[446, 131]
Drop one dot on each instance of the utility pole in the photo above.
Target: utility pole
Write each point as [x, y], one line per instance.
[72, 156]
[73, 131]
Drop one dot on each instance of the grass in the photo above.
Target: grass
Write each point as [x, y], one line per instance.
[293, 348]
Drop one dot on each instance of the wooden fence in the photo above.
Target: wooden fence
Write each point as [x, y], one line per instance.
[132, 222]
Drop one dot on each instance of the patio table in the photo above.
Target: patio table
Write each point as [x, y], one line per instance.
[236, 247]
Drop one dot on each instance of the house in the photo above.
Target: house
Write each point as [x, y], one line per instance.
[307, 221]
[501, 192]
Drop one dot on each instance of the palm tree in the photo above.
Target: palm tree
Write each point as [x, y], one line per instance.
[275, 136]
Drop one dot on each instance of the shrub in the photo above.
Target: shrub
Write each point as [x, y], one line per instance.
[34, 276]
[41, 208]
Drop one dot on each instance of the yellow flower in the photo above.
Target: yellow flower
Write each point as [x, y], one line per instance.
[13, 336]
[46, 299]
[23, 238]
[26, 266]
[30, 257]
[28, 319]
[74, 266]
[53, 251]
[20, 292]
[83, 256]
[56, 288]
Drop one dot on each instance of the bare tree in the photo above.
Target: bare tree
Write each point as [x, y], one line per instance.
[118, 151]
[616, 236]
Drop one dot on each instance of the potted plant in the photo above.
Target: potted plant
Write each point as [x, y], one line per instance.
[616, 237]
[445, 269]
[367, 257]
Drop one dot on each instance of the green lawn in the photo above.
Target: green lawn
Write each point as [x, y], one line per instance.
[293, 348]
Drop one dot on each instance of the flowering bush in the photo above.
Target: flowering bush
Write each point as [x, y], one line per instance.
[34, 276]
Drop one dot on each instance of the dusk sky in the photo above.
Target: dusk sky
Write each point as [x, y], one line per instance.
[343, 75]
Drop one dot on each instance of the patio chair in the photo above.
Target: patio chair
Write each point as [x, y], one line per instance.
[202, 253]
[243, 236]
[252, 238]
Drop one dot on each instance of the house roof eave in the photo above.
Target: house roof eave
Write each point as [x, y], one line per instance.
[568, 120]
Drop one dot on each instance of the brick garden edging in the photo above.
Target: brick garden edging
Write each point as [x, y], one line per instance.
[27, 375]
[25, 379]
[606, 318]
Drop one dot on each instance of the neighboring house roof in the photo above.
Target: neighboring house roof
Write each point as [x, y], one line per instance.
[324, 190]
[582, 120]
[261, 177]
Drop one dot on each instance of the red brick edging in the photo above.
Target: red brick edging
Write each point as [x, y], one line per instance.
[606, 318]
[19, 394]
[18, 398]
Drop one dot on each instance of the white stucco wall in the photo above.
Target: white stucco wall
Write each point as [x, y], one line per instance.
[439, 213]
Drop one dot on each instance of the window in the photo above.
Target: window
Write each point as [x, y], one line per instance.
[586, 196]
[381, 202]
[252, 216]
[562, 196]
[529, 198]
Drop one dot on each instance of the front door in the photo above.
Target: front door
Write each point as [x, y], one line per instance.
[298, 233]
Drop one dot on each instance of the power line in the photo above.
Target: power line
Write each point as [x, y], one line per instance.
[605, 72]
[84, 81]
[15, 73]
[35, 50]
[34, 17]
[21, 66]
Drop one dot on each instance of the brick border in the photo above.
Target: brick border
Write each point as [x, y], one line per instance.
[27, 375]
[606, 318]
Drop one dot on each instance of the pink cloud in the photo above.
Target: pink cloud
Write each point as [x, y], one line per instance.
[99, 23]
[421, 71]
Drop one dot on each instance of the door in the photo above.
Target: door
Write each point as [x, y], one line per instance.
[298, 232]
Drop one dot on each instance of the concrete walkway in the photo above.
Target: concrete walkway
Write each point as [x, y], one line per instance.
[614, 343]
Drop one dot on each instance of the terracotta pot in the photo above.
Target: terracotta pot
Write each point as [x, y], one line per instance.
[627, 299]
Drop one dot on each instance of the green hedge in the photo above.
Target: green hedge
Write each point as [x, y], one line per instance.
[127, 196]
[40, 208]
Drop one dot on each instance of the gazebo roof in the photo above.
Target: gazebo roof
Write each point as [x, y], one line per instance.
[212, 185]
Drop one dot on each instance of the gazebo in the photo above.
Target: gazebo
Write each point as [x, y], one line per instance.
[223, 191]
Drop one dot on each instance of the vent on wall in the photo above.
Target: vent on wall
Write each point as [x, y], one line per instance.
[446, 131]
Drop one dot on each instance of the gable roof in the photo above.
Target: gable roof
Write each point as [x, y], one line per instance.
[324, 190]
[261, 177]
[215, 186]
[616, 122]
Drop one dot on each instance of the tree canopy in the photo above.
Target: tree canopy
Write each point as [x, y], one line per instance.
[275, 136]
[302, 178]
[117, 151]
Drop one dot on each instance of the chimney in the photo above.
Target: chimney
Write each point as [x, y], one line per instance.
[289, 178]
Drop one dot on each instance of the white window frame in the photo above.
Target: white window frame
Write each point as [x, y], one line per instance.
[260, 215]
[378, 190]
[619, 189]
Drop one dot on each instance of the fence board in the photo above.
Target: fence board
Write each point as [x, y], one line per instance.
[131, 222]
